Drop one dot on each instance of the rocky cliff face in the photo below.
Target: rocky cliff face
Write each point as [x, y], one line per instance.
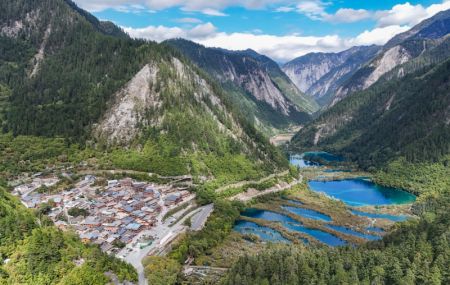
[421, 39]
[142, 103]
[319, 74]
[261, 87]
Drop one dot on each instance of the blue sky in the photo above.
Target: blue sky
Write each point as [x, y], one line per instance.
[282, 29]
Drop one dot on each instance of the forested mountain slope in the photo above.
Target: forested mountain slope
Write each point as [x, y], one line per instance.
[407, 117]
[321, 74]
[256, 84]
[65, 74]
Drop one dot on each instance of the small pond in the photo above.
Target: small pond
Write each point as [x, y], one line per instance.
[264, 233]
[307, 213]
[353, 233]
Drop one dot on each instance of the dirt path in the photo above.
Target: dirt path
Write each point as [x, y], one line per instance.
[253, 193]
[247, 182]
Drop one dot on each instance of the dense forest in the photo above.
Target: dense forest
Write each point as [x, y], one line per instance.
[81, 69]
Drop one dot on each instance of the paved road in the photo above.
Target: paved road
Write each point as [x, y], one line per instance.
[161, 233]
[199, 219]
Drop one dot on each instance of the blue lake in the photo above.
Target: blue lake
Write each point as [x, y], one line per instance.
[353, 233]
[394, 218]
[307, 213]
[297, 160]
[304, 160]
[293, 225]
[264, 233]
[361, 192]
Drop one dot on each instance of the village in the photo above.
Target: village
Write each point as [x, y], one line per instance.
[119, 214]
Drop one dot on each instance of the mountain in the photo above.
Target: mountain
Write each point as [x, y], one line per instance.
[422, 38]
[321, 74]
[329, 77]
[65, 74]
[405, 117]
[257, 83]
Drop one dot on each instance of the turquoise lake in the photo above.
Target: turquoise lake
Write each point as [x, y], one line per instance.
[361, 192]
[293, 225]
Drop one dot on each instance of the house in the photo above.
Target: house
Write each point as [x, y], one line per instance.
[91, 222]
[127, 182]
[88, 236]
[106, 247]
[172, 199]
[133, 226]
[112, 183]
[138, 185]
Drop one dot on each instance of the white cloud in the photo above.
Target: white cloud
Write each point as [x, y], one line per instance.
[315, 10]
[345, 15]
[407, 14]
[377, 36]
[188, 5]
[280, 47]
[188, 20]
[213, 12]
[284, 9]
[161, 33]
[312, 9]
[402, 14]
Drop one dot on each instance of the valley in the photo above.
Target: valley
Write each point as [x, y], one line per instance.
[314, 160]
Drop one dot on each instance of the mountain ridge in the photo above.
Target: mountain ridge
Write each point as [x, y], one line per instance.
[81, 74]
[261, 87]
[319, 74]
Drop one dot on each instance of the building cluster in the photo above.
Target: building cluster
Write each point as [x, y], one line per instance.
[110, 216]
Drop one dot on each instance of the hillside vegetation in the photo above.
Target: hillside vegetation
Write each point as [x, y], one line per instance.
[68, 76]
